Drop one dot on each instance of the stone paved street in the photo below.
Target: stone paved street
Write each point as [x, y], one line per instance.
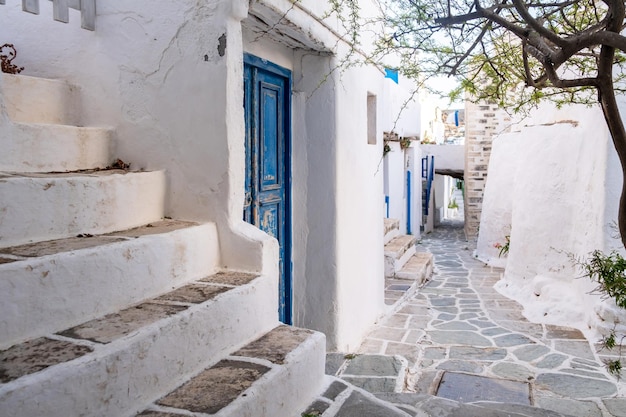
[458, 338]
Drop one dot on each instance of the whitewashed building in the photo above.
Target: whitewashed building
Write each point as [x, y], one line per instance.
[553, 189]
[233, 117]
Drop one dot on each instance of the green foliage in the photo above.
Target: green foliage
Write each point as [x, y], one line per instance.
[453, 204]
[614, 367]
[609, 273]
[514, 54]
[386, 149]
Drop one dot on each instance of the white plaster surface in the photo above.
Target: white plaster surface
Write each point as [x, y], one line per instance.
[92, 203]
[359, 212]
[153, 72]
[401, 111]
[54, 148]
[547, 188]
[55, 292]
[395, 183]
[338, 194]
[39, 128]
[450, 157]
[123, 377]
[39, 100]
[414, 164]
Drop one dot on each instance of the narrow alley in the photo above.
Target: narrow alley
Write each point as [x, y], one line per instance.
[458, 341]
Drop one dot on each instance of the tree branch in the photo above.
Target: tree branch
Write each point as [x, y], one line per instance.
[535, 25]
[454, 20]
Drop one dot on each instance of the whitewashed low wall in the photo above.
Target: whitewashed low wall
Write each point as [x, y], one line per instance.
[551, 187]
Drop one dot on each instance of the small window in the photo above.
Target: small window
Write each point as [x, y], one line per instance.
[371, 119]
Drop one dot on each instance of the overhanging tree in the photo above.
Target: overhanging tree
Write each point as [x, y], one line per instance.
[512, 52]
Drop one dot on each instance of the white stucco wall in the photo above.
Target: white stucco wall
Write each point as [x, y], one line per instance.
[152, 71]
[450, 157]
[337, 184]
[395, 183]
[338, 214]
[402, 110]
[155, 72]
[360, 216]
[550, 186]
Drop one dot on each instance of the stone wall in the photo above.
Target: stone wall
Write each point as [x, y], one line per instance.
[482, 122]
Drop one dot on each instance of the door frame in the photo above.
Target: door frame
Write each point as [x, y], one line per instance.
[285, 316]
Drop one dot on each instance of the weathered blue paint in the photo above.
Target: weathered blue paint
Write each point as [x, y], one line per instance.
[428, 173]
[408, 203]
[387, 206]
[267, 103]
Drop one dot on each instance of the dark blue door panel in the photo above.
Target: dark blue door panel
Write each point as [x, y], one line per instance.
[267, 105]
[247, 85]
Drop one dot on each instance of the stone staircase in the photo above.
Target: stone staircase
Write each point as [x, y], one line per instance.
[403, 264]
[107, 307]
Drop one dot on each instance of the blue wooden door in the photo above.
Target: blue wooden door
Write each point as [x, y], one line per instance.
[267, 93]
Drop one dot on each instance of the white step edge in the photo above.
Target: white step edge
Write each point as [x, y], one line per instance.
[391, 229]
[55, 292]
[396, 258]
[287, 389]
[418, 268]
[48, 148]
[123, 377]
[39, 208]
[39, 100]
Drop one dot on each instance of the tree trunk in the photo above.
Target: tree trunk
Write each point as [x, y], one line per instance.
[608, 103]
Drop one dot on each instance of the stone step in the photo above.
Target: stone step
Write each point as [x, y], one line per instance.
[49, 286]
[39, 100]
[276, 375]
[119, 364]
[397, 252]
[342, 399]
[62, 205]
[429, 405]
[391, 229]
[418, 268]
[371, 385]
[50, 148]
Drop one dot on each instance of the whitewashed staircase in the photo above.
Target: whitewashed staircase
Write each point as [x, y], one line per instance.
[402, 261]
[109, 309]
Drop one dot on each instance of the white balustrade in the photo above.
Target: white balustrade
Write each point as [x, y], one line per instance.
[60, 10]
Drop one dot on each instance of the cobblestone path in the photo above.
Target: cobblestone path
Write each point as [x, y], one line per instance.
[460, 339]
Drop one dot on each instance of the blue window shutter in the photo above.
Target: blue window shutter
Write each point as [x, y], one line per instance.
[391, 74]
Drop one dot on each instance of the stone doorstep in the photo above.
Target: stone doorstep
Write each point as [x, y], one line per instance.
[84, 241]
[399, 245]
[418, 268]
[391, 224]
[36, 355]
[391, 229]
[234, 378]
[397, 253]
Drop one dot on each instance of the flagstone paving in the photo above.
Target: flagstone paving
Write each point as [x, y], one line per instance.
[458, 327]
